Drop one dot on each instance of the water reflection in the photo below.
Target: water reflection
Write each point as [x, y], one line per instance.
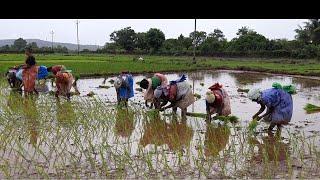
[65, 113]
[158, 132]
[245, 79]
[306, 83]
[197, 76]
[271, 148]
[125, 123]
[31, 114]
[216, 139]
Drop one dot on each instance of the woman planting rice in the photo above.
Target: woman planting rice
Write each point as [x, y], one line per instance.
[124, 88]
[64, 81]
[278, 101]
[178, 93]
[58, 68]
[151, 84]
[29, 72]
[217, 101]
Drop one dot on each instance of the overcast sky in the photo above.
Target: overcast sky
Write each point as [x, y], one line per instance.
[97, 31]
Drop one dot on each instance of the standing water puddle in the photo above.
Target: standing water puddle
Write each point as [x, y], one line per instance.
[99, 141]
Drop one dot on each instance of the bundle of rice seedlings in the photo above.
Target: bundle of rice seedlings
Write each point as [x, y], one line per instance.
[253, 125]
[310, 108]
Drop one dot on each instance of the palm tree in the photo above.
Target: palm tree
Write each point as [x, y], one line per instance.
[310, 33]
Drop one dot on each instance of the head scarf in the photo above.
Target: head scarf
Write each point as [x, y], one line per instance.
[254, 94]
[216, 86]
[118, 82]
[210, 97]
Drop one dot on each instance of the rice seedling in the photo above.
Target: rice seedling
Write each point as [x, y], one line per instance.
[310, 108]
[243, 90]
[92, 138]
[197, 96]
[253, 125]
[104, 86]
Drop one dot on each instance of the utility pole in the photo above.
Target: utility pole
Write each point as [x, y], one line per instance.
[52, 39]
[77, 22]
[194, 41]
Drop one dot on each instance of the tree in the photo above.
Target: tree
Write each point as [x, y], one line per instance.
[302, 35]
[124, 38]
[34, 46]
[200, 36]
[5, 48]
[141, 41]
[244, 31]
[217, 34]
[155, 38]
[19, 44]
[184, 42]
[248, 41]
[310, 33]
[171, 44]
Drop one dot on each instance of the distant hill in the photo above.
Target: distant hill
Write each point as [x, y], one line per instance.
[42, 43]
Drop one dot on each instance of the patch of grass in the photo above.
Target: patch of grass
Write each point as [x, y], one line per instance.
[253, 125]
[102, 64]
[242, 90]
[104, 86]
[310, 108]
[198, 96]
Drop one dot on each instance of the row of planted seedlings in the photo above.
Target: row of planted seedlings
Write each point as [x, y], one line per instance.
[90, 137]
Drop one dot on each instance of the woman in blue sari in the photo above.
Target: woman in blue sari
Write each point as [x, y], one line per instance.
[124, 87]
[278, 101]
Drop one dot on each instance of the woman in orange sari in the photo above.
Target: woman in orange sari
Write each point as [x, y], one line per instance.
[29, 73]
[64, 83]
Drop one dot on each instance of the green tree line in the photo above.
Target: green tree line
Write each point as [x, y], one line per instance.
[247, 43]
[20, 44]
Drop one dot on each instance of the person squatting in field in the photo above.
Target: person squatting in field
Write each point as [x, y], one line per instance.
[64, 80]
[178, 93]
[217, 101]
[278, 101]
[124, 88]
[151, 84]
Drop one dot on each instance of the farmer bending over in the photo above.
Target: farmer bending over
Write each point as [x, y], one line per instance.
[178, 93]
[217, 101]
[151, 84]
[279, 104]
[56, 69]
[124, 87]
[64, 81]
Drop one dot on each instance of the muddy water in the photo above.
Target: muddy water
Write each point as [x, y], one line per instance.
[172, 138]
[307, 92]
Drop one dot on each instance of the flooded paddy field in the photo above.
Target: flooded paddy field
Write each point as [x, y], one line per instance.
[91, 138]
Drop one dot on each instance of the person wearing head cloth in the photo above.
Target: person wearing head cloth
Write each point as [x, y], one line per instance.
[29, 72]
[56, 68]
[178, 93]
[151, 84]
[64, 83]
[217, 101]
[279, 104]
[124, 87]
